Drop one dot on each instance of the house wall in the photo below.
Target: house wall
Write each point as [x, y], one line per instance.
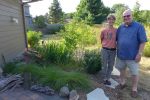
[28, 17]
[12, 39]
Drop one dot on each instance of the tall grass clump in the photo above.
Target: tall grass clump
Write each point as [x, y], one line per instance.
[59, 78]
[33, 38]
[55, 52]
[55, 77]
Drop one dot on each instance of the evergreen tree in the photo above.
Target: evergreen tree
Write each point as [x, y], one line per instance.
[55, 12]
[92, 11]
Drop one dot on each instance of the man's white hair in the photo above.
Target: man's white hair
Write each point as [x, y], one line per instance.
[127, 12]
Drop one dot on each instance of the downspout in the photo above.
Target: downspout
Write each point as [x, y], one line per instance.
[24, 26]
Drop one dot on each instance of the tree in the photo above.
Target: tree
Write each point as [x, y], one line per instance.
[119, 9]
[92, 11]
[55, 12]
[145, 14]
[142, 16]
[136, 12]
[39, 21]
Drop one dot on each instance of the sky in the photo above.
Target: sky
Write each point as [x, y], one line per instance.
[41, 7]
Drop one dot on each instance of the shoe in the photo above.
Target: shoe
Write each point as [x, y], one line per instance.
[107, 82]
[134, 94]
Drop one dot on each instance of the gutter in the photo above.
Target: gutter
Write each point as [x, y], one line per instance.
[30, 1]
[24, 27]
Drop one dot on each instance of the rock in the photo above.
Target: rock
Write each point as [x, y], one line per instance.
[64, 91]
[46, 90]
[73, 95]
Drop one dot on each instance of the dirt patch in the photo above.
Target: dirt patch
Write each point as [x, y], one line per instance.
[117, 94]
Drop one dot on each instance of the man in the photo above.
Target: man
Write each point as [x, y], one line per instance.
[131, 39]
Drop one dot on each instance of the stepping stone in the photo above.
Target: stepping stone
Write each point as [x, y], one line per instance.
[115, 72]
[113, 83]
[97, 94]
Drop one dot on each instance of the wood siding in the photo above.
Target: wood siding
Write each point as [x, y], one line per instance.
[12, 39]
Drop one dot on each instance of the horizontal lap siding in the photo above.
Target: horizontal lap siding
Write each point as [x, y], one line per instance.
[12, 40]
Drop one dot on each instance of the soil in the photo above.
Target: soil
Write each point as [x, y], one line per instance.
[115, 94]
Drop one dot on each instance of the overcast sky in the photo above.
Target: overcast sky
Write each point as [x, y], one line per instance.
[41, 7]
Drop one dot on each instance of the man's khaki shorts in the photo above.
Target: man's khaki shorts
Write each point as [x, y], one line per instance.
[131, 64]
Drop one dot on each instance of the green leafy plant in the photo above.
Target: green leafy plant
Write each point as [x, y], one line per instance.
[78, 34]
[55, 52]
[92, 61]
[33, 38]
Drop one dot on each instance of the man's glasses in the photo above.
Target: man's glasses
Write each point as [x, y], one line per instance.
[127, 16]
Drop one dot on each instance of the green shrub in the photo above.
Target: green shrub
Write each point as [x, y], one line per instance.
[92, 61]
[146, 52]
[78, 33]
[55, 77]
[33, 38]
[53, 28]
[55, 52]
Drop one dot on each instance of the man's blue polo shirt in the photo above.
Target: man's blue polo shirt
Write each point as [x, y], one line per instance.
[129, 39]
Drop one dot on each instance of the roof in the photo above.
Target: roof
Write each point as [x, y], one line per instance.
[29, 1]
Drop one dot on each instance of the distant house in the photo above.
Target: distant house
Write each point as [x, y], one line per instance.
[12, 29]
[28, 17]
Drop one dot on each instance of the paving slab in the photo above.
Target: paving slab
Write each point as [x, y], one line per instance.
[97, 94]
[115, 72]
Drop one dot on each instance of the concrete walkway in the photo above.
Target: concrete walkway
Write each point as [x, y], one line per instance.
[21, 94]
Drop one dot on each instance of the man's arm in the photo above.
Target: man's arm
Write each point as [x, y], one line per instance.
[139, 54]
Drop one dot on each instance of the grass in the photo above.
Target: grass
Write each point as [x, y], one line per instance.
[54, 76]
[145, 64]
[144, 81]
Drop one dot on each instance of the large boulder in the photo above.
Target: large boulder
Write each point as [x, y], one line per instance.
[64, 91]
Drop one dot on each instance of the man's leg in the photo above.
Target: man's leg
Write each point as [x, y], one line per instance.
[121, 66]
[135, 79]
[122, 76]
[133, 66]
